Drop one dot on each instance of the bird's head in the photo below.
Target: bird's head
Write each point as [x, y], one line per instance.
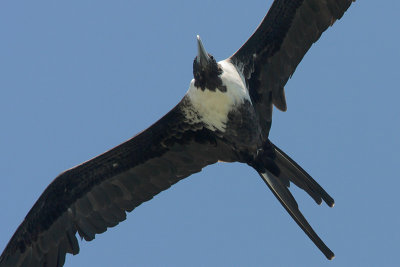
[206, 70]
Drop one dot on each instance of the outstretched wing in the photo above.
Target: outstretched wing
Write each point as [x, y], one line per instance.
[95, 195]
[270, 56]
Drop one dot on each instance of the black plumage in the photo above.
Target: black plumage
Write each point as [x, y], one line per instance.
[95, 195]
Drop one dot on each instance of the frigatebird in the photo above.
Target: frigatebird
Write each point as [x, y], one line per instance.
[225, 116]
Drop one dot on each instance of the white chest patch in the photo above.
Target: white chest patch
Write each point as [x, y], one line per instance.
[213, 108]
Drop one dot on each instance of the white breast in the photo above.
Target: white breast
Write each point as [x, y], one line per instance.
[213, 107]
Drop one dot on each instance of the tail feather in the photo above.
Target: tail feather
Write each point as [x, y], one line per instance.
[290, 170]
[277, 170]
[287, 200]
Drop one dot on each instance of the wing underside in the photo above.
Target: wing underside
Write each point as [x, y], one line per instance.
[270, 56]
[97, 194]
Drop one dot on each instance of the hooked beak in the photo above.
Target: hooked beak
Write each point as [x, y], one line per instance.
[203, 58]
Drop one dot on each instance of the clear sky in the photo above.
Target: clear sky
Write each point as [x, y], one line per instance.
[79, 77]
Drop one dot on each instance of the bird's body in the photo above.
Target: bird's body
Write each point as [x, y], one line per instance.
[228, 113]
[214, 106]
[225, 116]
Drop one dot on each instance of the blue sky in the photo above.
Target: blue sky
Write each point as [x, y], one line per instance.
[79, 77]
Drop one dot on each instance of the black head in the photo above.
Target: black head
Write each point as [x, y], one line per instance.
[206, 70]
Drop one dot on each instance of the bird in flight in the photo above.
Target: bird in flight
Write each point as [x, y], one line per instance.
[225, 116]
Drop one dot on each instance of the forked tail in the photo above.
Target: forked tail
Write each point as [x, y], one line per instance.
[277, 170]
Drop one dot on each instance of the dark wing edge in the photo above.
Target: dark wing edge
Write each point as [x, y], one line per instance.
[270, 56]
[96, 195]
